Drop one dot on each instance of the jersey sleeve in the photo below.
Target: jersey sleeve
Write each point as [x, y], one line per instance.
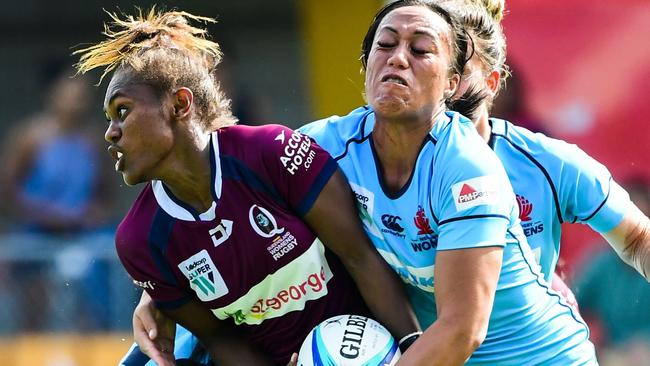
[149, 270]
[296, 166]
[587, 190]
[474, 201]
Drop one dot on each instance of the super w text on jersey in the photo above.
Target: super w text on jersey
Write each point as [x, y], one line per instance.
[458, 197]
[249, 258]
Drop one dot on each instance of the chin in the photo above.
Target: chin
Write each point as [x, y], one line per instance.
[390, 106]
[131, 179]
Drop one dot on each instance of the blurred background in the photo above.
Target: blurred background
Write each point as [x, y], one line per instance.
[581, 73]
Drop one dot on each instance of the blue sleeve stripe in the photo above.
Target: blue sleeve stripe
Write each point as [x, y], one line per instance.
[543, 170]
[233, 168]
[471, 217]
[135, 358]
[546, 286]
[317, 187]
[609, 189]
[357, 140]
[159, 233]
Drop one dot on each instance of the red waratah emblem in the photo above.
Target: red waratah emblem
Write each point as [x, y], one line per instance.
[525, 208]
[422, 222]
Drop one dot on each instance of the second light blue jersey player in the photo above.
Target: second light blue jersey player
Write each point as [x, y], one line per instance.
[555, 182]
[458, 197]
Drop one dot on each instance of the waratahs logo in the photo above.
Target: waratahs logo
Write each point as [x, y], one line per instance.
[525, 208]
[421, 221]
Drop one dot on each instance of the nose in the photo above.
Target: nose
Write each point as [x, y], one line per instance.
[113, 133]
[399, 57]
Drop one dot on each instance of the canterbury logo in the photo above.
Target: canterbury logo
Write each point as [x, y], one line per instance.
[391, 222]
[525, 208]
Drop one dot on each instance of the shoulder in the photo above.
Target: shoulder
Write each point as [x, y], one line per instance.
[546, 150]
[335, 132]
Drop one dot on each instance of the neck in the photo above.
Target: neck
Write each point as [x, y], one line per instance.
[189, 177]
[397, 144]
[482, 122]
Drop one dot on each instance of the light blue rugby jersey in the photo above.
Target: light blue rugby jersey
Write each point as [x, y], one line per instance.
[457, 197]
[555, 182]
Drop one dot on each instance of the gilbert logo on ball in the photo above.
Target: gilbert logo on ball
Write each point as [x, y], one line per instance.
[349, 340]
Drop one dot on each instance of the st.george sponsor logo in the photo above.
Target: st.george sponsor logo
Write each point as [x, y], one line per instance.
[525, 210]
[475, 192]
[314, 284]
[297, 151]
[426, 239]
[204, 277]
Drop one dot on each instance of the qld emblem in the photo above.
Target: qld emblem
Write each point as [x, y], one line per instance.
[263, 222]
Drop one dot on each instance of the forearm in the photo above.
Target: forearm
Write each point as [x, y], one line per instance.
[384, 293]
[631, 240]
[444, 343]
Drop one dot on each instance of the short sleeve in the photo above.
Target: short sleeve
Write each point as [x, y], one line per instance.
[296, 166]
[590, 194]
[474, 198]
[150, 271]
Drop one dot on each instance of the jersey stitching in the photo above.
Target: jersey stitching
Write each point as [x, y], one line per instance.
[546, 285]
[548, 177]
[355, 140]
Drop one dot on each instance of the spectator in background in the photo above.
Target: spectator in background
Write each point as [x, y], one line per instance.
[52, 189]
[615, 300]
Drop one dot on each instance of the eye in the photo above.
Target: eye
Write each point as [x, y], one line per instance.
[384, 44]
[122, 111]
[419, 51]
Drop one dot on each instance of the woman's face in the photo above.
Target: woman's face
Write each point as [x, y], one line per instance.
[139, 130]
[409, 64]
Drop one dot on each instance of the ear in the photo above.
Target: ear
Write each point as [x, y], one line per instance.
[452, 86]
[492, 82]
[183, 100]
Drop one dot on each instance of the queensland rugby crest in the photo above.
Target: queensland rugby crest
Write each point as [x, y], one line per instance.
[265, 225]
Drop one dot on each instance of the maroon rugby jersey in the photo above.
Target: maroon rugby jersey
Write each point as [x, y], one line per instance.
[250, 257]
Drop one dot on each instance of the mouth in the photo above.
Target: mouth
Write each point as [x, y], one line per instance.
[393, 78]
[117, 155]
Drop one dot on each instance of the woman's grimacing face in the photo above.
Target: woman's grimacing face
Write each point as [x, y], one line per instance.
[408, 70]
[139, 132]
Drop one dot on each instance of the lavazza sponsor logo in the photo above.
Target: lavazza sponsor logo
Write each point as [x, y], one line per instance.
[297, 151]
[314, 284]
[265, 225]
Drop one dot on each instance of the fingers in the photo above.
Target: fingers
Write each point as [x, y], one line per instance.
[294, 360]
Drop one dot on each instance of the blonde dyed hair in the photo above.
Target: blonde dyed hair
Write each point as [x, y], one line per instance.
[482, 20]
[162, 50]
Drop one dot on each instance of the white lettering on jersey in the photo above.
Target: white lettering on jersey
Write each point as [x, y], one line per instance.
[475, 192]
[222, 232]
[297, 152]
[366, 204]
[204, 277]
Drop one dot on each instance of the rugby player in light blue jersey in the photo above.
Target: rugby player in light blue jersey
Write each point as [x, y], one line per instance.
[555, 182]
[440, 210]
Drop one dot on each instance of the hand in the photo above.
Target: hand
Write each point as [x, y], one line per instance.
[294, 360]
[154, 332]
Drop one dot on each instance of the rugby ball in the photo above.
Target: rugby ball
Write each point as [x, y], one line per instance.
[349, 340]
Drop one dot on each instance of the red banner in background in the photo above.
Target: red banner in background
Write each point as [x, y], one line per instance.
[585, 66]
